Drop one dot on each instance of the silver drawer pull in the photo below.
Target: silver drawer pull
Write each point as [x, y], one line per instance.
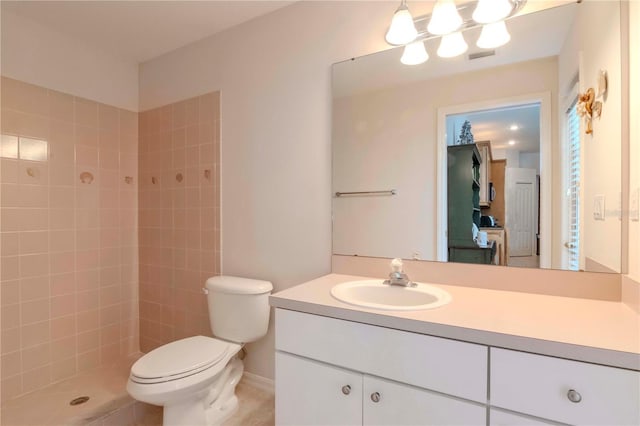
[346, 389]
[375, 397]
[574, 396]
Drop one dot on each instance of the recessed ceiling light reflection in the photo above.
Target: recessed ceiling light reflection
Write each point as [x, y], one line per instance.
[514, 127]
[512, 142]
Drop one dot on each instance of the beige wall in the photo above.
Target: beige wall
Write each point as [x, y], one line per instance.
[602, 149]
[586, 52]
[179, 218]
[398, 127]
[634, 137]
[69, 235]
[274, 77]
[39, 55]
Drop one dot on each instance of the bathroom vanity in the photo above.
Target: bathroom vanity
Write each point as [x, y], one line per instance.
[487, 358]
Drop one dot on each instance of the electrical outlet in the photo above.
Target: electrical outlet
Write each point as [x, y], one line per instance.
[634, 205]
[598, 207]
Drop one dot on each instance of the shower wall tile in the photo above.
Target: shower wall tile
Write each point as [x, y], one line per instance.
[35, 334]
[68, 231]
[179, 233]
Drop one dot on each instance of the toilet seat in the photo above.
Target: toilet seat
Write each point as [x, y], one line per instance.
[180, 359]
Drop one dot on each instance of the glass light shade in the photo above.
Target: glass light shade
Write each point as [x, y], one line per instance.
[414, 54]
[402, 29]
[452, 45]
[488, 11]
[445, 18]
[493, 35]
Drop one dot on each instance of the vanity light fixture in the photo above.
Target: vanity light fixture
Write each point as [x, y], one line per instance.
[445, 18]
[414, 54]
[448, 19]
[489, 11]
[402, 29]
[493, 35]
[452, 45]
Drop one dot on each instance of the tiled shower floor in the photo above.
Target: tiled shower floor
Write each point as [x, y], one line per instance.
[105, 388]
[110, 405]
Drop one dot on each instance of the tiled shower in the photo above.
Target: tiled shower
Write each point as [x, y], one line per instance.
[179, 217]
[85, 193]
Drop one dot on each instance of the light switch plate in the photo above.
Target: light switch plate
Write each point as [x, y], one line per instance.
[619, 209]
[634, 205]
[598, 207]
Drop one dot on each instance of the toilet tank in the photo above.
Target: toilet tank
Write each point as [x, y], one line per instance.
[238, 308]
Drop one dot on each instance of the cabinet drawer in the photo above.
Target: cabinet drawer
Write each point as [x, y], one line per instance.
[503, 418]
[540, 385]
[443, 365]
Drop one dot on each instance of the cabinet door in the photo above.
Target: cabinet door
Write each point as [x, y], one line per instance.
[313, 393]
[400, 404]
[484, 178]
[485, 175]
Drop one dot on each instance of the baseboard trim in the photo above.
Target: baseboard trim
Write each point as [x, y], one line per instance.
[262, 383]
[595, 266]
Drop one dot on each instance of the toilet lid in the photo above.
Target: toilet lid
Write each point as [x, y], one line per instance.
[179, 359]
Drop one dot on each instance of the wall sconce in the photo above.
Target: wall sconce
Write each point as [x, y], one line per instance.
[589, 108]
[449, 20]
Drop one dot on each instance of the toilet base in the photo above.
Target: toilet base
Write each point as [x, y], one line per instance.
[210, 407]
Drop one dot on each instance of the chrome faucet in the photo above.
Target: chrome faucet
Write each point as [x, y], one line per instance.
[397, 275]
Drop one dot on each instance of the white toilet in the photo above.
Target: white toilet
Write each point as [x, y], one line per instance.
[194, 379]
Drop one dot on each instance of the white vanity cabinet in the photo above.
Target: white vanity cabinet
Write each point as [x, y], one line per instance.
[393, 377]
[337, 372]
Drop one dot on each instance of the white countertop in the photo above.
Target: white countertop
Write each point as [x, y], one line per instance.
[600, 332]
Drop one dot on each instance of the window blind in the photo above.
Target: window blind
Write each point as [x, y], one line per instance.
[573, 187]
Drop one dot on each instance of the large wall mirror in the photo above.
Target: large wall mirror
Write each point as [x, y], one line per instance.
[484, 158]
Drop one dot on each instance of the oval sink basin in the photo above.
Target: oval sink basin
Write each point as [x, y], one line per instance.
[374, 294]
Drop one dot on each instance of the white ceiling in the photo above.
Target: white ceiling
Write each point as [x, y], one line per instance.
[495, 126]
[141, 30]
